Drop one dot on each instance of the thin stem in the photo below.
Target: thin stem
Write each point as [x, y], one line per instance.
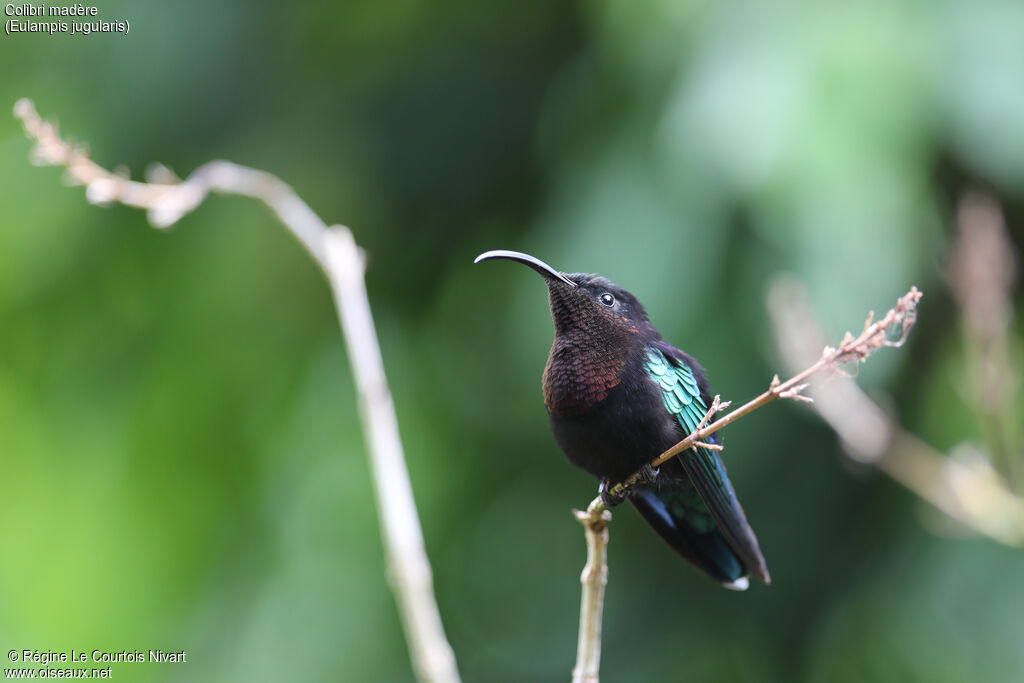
[593, 580]
[407, 564]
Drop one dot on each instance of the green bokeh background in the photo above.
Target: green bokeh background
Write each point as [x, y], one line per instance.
[181, 466]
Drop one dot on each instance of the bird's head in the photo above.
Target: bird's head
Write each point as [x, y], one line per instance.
[583, 305]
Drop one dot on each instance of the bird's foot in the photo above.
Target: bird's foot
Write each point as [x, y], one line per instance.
[647, 474]
[610, 500]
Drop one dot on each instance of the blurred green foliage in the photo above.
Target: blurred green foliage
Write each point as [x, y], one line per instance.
[181, 466]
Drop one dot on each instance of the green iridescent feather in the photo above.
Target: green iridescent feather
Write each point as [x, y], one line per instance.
[682, 398]
[716, 507]
[679, 390]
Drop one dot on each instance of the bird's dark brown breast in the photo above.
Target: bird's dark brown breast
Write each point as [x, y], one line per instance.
[586, 362]
[617, 434]
[576, 379]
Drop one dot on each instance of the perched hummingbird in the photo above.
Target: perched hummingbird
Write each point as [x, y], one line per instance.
[617, 396]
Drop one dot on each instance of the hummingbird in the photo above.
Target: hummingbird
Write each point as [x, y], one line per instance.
[617, 396]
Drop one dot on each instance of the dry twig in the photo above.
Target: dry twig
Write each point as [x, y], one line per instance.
[334, 249]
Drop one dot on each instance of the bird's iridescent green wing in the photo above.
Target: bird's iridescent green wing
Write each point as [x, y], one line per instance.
[682, 396]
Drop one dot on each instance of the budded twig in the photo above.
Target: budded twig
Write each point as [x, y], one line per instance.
[891, 330]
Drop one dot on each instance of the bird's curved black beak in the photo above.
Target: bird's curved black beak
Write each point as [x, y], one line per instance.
[535, 263]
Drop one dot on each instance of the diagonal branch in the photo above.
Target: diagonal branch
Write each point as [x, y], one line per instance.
[875, 335]
[334, 249]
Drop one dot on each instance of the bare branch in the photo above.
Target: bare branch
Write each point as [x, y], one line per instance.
[334, 250]
[593, 579]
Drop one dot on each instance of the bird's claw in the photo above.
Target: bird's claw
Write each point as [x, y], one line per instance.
[648, 474]
[609, 499]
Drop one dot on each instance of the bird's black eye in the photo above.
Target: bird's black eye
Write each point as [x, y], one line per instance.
[607, 299]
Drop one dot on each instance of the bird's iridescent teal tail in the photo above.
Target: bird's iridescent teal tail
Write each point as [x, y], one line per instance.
[681, 518]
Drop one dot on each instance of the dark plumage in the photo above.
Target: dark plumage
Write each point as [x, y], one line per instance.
[618, 395]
